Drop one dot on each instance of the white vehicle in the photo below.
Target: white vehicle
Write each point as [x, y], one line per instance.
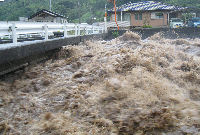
[176, 23]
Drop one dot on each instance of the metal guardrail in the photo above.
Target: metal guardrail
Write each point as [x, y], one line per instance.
[113, 24]
[15, 30]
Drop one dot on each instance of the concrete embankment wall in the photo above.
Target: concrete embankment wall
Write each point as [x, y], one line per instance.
[16, 55]
[167, 32]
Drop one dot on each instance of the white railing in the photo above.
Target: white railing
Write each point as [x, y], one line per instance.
[122, 24]
[15, 30]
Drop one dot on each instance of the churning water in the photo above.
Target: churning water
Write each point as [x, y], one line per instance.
[126, 86]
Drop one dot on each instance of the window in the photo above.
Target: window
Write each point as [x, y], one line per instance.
[138, 16]
[113, 17]
[196, 19]
[157, 15]
[126, 17]
[176, 20]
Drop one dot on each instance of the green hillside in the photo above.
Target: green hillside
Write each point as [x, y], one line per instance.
[87, 9]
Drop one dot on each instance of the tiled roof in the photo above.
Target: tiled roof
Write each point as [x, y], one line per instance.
[47, 12]
[146, 6]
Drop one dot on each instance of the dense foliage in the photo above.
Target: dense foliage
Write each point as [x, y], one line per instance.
[86, 10]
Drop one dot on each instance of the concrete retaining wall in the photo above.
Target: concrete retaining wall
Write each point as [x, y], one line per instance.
[167, 32]
[24, 52]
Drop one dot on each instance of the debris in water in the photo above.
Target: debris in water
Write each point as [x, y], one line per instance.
[126, 86]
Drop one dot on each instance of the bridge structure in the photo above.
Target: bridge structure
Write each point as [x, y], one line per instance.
[20, 41]
[18, 30]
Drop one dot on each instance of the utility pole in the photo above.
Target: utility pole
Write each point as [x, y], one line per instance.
[79, 12]
[105, 18]
[50, 6]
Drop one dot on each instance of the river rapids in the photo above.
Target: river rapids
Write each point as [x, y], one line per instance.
[126, 86]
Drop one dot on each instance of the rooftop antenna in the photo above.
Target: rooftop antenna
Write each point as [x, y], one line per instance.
[50, 6]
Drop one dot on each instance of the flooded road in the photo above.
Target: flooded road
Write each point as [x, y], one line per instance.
[126, 86]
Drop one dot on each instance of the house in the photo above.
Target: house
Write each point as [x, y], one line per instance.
[155, 14]
[47, 16]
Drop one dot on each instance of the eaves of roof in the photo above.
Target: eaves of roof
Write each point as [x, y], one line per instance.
[47, 12]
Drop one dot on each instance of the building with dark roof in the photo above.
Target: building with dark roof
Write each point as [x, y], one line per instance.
[47, 16]
[155, 14]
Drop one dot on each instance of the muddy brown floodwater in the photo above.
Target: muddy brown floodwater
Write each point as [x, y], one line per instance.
[126, 86]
